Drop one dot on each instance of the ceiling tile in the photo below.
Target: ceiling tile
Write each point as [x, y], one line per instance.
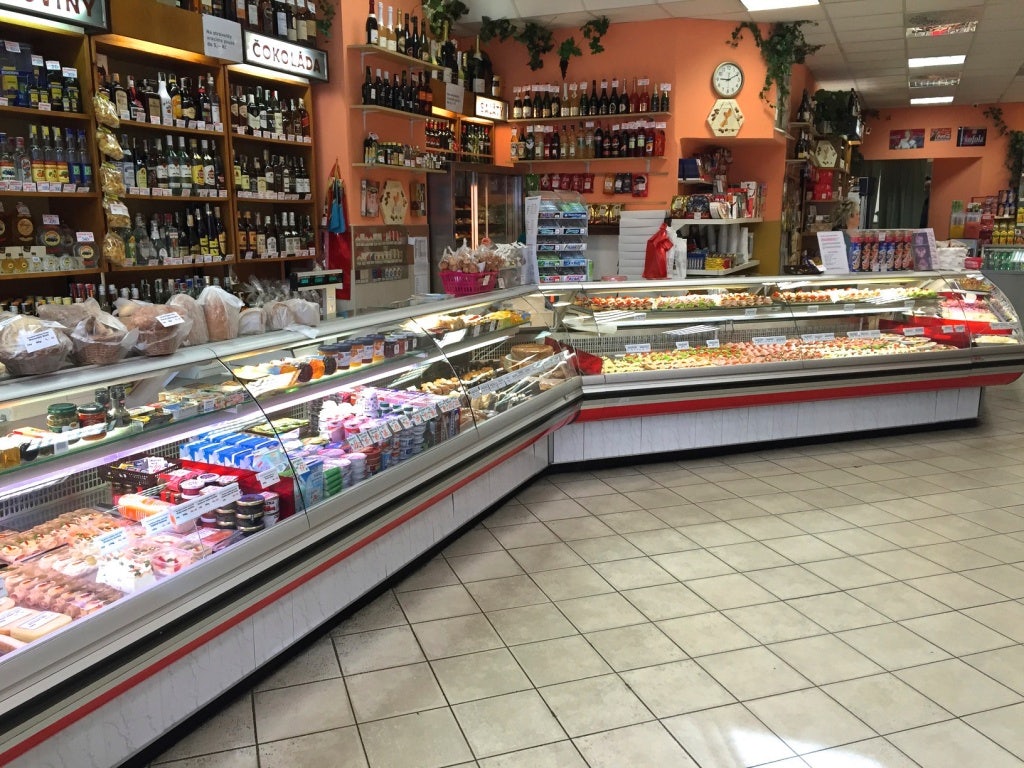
[533, 8]
[622, 15]
[808, 13]
[860, 8]
[924, 6]
[875, 21]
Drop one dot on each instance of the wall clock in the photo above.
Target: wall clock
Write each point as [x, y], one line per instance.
[727, 79]
[725, 119]
[825, 154]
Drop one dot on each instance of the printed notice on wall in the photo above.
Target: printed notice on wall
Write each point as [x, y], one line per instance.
[833, 252]
[420, 264]
[222, 39]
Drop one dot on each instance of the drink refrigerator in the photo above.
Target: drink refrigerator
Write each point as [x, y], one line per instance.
[470, 202]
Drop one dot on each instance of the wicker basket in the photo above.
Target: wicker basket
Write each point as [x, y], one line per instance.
[468, 283]
[157, 343]
[98, 353]
[34, 363]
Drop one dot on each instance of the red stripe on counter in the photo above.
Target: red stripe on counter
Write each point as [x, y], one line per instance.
[176, 655]
[608, 412]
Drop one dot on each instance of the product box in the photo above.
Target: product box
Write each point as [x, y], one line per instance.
[310, 484]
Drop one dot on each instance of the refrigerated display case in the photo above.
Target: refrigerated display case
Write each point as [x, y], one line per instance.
[469, 203]
[704, 363]
[150, 574]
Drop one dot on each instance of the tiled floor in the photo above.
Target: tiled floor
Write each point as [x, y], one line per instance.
[852, 605]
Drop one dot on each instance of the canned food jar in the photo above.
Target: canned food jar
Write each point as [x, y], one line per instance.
[61, 416]
[93, 415]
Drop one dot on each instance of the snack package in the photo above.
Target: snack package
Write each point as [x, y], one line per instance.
[252, 321]
[113, 248]
[111, 180]
[102, 339]
[117, 214]
[29, 345]
[222, 311]
[199, 333]
[108, 144]
[68, 315]
[106, 113]
[159, 332]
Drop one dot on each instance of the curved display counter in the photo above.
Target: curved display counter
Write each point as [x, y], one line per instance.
[170, 525]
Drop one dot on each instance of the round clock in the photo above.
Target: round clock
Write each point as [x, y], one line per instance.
[727, 79]
[825, 154]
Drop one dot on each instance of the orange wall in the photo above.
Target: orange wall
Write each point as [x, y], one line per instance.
[958, 173]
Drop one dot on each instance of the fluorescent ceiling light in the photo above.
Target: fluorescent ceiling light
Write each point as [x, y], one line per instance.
[935, 81]
[936, 61]
[774, 5]
[932, 100]
[940, 30]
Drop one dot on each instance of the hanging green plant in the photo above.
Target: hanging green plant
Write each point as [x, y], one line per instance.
[538, 41]
[437, 12]
[502, 29]
[1014, 161]
[784, 46]
[594, 30]
[326, 19]
[566, 51]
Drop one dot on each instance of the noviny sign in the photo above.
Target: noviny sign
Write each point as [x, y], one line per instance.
[91, 14]
[262, 51]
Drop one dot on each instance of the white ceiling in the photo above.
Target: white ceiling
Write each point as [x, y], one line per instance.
[864, 41]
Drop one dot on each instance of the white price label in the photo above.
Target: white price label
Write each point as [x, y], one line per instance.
[112, 541]
[85, 237]
[812, 309]
[268, 477]
[947, 329]
[750, 312]
[395, 426]
[406, 422]
[301, 468]
[118, 209]
[156, 523]
[713, 343]
[864, 334]
[960, 328]
[913, 331]
[849, 307]
[170, 319]
[40, 340]
[818, 336]
[769, 339]
[1001, 326]
[51, 220]
[43, 106]
[637, 349]
[682, 345]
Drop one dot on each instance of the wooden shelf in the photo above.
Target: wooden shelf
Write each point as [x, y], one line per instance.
[723, 272]
[414, 116]
[696, 182]
[44, 275]
[401, 58]
[235, 136]
[37, 114]
[176, 198]
[590, 160]
[166, 267]
[399, 168]
[676, 223]
[582, 118]
[240, 201]
[171, 129]
[277, 260]
[52, 195]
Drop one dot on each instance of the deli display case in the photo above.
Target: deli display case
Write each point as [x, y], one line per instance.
[169, 525]
[769, 352]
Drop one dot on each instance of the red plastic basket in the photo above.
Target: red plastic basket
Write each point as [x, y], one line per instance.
[468, 283]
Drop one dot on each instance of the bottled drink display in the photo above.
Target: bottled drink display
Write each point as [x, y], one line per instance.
[376, 152]
[406, 93]
[195, 234]
[615, 97]
[165, 100]
[589, 139]
[29, 80]
[174, 165]
[291, 20]
[259, 111]
[51, 158]
[271, 176]
[277, 235]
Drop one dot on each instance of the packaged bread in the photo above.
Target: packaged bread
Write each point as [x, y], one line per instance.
[102, 339]
[279, 315]
[68, 315]
[161, 328]
[192, 310]
[29, 345]
[304, 312]
[252, 321]
[222, 311]
[530, 352]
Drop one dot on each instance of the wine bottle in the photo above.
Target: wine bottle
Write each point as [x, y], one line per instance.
[613, 102]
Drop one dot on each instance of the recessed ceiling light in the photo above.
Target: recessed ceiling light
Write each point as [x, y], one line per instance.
[774, 5]
[936, 61]
[940, 30]
[935, 81]
[932, 100]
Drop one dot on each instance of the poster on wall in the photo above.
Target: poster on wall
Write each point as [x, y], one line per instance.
[971, 137]
[911, 138]
[942, 134]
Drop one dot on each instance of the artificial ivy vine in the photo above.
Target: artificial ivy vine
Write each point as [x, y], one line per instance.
[438, 12]
[539, 40]
[1014, 161]
[784, 46]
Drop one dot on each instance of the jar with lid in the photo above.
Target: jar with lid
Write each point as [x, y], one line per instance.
[93, 415]
[61, 417]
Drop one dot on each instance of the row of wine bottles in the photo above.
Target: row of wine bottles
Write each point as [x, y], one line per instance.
[572, 99]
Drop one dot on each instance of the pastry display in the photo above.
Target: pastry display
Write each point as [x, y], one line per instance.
[852, 295]
[738, 299]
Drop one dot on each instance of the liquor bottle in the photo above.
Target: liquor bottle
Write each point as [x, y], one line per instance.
[613, 102]
[293, 22]
[252, 15]
[266, 14]
[120, 96]
[270, 238]
[565, 104]
[624, 102]
[219, 235]
[252, 114]
[175, 94]
[517, 104]
[603, 104]
[372, 28]
[141, 167]
[400, 33]
[303, 118]
[127, 163]
[204, 105]
[186, 102]
[538, 101]
[209, 172]
[528, 103]
[302, 22]
[645, 98]
[382, 33]
[175, 177]
[392, 39]
[595, 103]
[663, 105]
[196, 166]
[261, 240]
[160, 168]
[554, 104]
[412, 39]
[275, 116]
[55, 81]
[166, 106]
[478, 69]
[448, 60]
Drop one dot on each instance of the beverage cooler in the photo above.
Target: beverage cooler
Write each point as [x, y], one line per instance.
[472, 202]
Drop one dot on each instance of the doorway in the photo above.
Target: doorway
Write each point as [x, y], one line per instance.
[902, 198]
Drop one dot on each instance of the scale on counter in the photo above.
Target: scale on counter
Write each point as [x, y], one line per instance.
[326, 280]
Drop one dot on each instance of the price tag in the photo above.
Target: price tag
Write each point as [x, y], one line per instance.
[960, 328]
[156, 523]
[406, 422]
[637, 349]
[682, 345]
[37, 60]
[118, 209]
[68, 188]
[300, 467]
[36, 342]
[812, 309]
[1001, 326]
[188, 511]
[750, 312]
[913, 331]
[111, 541]
[3, 101]
[818, 336]
[170, 319]
[395, 426]
[13, 47]
[712, 343]
[51, 220]
[268, 477]
[200, 125]
[44, 106]
[85, 237]
[769, 339]
[849, 307]
[947, 329]
[29, 186]
[908, 304]
[864, 334]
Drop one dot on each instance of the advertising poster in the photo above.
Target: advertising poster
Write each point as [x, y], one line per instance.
[971, 137]
[942, 134]
[910, 138]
